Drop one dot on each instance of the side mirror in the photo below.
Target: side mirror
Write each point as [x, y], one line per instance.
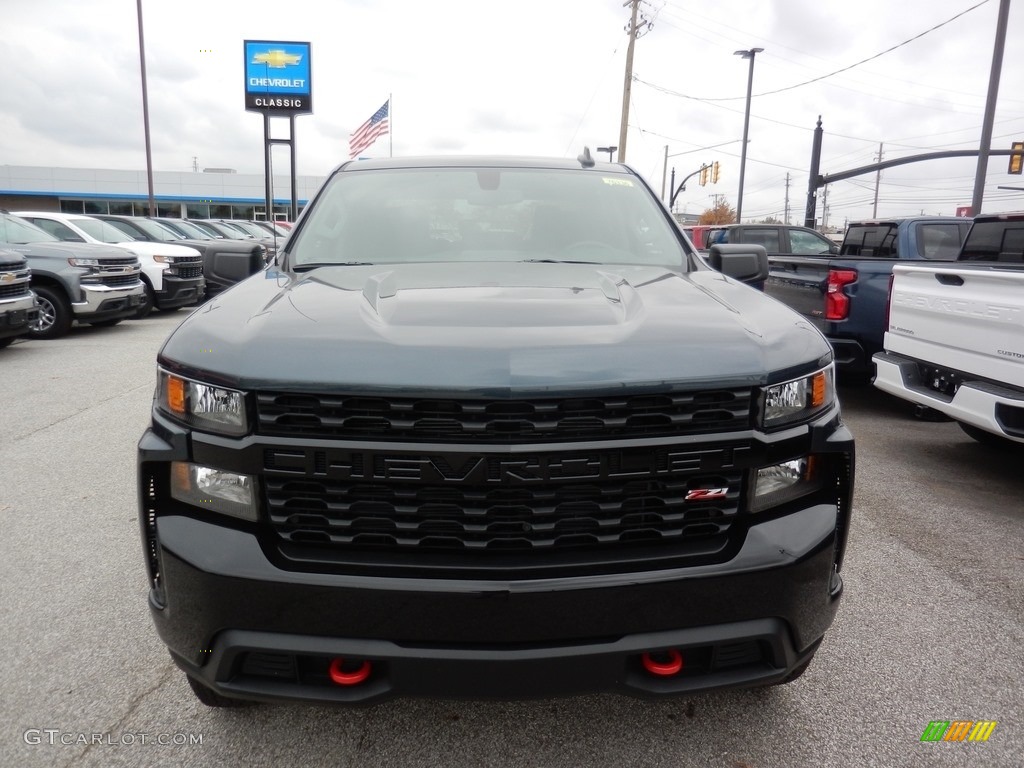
[746, 263]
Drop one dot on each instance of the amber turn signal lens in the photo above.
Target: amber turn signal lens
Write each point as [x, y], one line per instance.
[176, 395]
[819, 388]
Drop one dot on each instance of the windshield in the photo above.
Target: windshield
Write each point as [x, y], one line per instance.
[104, 232]
[252, 229]
[485, 214]
[18, 231]
[186, 229]
[209, 229]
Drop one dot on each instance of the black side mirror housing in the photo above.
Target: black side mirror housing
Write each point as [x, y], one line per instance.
[746, 263]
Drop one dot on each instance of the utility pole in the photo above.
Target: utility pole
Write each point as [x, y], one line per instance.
[627, 86]
[746, 127]
[145, 111]
[824, 209]
[990, 108]
[878, 179]
[786, 214]
[664, 172]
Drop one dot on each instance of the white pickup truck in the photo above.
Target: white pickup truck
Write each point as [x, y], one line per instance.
[955, 338]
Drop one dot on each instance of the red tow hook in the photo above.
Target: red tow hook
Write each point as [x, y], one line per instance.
[339, 676]
[673, 666]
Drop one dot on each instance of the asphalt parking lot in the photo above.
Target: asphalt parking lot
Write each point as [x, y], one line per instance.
[931, 626]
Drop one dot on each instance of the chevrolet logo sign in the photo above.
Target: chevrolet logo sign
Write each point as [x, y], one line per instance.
[8, 277]
[277, 59]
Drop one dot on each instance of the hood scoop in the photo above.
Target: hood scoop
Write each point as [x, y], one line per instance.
[500, 296]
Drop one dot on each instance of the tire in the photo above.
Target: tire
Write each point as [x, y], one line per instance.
[991, 440]
[55, 315]
[6, 342]
[106, 323]
[148, 302]
[211, 698]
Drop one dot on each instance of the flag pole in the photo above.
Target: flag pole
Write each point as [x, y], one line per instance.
[391, 123]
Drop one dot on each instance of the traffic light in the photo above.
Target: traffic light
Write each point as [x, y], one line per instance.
[714, 173]
[1016, 159]
[704, 175]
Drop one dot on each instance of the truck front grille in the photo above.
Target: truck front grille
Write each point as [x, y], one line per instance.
[15, 291]
[112, 281]
[14, 281]
[411, 501]
[503, 421]
[186, 271]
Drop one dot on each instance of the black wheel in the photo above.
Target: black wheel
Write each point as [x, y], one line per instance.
[211, 698]
[6, 342]
[107, 323]
[148, 301]
[55, 316]
[990, 439]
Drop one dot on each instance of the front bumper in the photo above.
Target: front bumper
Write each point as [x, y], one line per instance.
[248, 629]
[251, 621]
[16, 315]
[179, 292]
[100, 302]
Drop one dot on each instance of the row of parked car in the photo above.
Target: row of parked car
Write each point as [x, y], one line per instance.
[58, 268]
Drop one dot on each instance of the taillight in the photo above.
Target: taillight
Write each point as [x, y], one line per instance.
[837, 303]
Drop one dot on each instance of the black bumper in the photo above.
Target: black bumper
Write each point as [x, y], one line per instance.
[16, 322]
[246, 628]
[178, 292]
[851, 357]
[252, 621]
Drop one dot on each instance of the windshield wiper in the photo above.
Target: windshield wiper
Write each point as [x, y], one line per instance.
[318, 264]
[556, 261]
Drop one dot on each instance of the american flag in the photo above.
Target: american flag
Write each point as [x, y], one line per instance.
[367, 133]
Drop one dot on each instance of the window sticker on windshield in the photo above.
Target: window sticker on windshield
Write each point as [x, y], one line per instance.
[617, 182]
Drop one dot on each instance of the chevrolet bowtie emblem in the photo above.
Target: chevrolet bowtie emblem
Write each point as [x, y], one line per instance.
[276, 59]
[8, 277]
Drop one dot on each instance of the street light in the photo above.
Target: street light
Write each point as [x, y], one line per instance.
[609, 150]
[746, 127]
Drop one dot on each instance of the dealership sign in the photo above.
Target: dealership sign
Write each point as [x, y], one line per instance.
[278, 77]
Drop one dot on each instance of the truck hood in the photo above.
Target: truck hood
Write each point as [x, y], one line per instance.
[492, 328]
[147, 250]
[65, 250]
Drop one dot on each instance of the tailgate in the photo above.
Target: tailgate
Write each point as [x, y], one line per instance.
[799, 283]
[968, 318]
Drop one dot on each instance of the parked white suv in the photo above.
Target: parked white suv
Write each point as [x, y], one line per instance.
[172, 274]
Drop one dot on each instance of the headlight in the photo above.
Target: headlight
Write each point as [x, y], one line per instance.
[84, 262]
[161, 259]
[779, 483]
[798, 400]
[203, 406]
[229, 493]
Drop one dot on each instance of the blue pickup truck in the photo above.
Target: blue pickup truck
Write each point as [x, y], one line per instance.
[845, 295]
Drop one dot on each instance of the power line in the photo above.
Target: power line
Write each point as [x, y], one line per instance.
[862, 61]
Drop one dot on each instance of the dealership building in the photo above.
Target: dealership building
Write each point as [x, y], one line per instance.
[213, 193]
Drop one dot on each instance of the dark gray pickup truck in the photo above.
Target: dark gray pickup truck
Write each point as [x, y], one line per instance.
[18, 307]
[490, 427]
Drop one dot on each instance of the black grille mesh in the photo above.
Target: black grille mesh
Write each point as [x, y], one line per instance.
[544, 501]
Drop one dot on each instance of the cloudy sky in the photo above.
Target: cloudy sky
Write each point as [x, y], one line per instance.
[540, 77]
